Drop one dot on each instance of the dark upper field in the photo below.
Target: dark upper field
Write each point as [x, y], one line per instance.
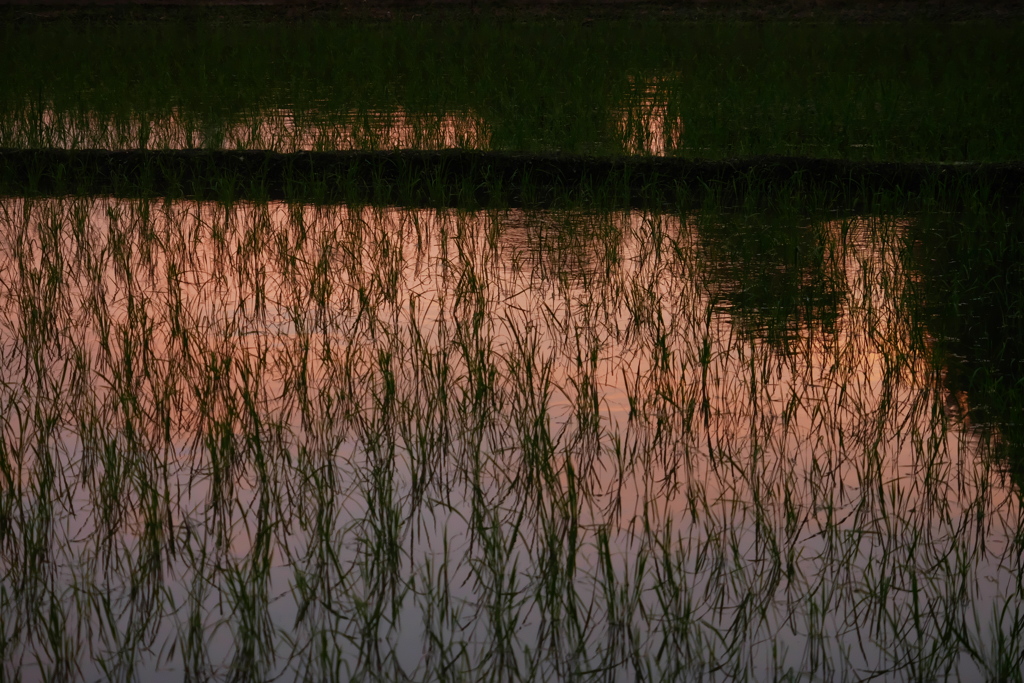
[749, 10]
[205, 78]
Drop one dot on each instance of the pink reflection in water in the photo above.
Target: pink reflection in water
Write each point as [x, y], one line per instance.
[280, 130]
[551, 368]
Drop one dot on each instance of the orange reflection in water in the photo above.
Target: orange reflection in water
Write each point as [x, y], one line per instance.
[281, 130]
[293, 363]
[647, 125]
[272, 293]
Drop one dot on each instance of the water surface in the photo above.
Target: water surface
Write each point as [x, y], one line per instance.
[336, 442]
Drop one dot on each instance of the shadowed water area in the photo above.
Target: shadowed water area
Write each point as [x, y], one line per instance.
[252, 440]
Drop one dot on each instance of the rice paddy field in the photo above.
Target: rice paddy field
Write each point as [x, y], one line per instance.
[744, 434]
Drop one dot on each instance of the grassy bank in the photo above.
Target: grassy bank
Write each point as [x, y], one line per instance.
[453, 178]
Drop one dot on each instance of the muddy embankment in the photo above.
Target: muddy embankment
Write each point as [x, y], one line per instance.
[461, 177]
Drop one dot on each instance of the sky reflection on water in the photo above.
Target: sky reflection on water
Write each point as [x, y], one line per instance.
[379, 442]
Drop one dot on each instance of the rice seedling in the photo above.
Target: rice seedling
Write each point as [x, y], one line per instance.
[911, 91]
[399, 365]
[252, 440]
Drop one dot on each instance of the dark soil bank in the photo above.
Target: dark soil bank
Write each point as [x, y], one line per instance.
[458, 177]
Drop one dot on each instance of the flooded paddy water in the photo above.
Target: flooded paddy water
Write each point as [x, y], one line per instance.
[252, 441]
[551, 349]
